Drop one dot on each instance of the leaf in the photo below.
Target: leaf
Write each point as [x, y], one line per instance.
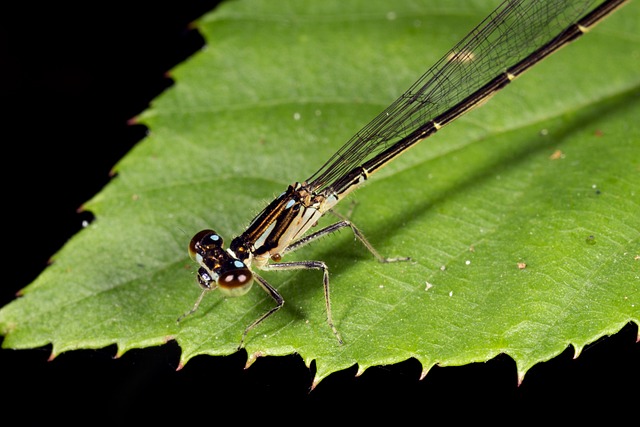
[522, 216]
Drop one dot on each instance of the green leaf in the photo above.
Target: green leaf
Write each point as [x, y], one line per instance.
[521, 217]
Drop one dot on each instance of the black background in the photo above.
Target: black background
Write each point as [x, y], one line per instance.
[73, 74]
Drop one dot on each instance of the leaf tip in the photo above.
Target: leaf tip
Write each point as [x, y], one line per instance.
[577, 351]
[424, 373]
[521, 375]
[252, 358]
[182, 362]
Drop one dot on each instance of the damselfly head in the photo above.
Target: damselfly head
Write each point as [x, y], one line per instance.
[218, 268]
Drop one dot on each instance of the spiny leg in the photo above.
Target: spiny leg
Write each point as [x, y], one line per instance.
[303, 265]
[195, 306]
[273, 293]
[335, 227]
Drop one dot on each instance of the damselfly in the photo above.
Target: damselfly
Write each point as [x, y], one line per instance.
[514, 37]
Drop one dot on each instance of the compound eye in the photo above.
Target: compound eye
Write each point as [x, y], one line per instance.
[235, 281]
[203, 241]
